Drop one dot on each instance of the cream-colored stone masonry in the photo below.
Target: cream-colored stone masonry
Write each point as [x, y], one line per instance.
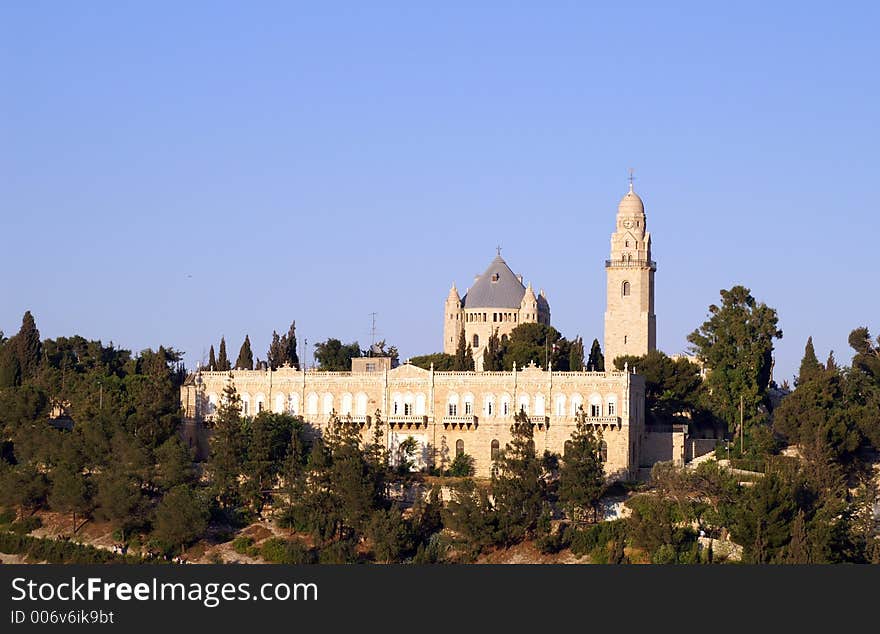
[630, 323]
[445, 412]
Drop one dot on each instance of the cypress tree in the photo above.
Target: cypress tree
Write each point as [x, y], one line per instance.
[576, 355]
[222, 359]
[245, 356]
[276, 355]
[463, 355]
[212, 361]
[596, 362]
[289, 341]
[831, 364]
[810, 366]
[493, 355]
[28, 347]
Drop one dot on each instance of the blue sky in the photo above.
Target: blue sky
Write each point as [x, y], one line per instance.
[174, 172]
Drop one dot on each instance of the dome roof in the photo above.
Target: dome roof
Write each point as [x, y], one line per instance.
[498, 287]
[631, 204]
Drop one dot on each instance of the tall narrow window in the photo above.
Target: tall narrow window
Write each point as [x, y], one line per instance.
[459, 447]
[476, 341]
[495, 451]
[626, 289]
[603, 451]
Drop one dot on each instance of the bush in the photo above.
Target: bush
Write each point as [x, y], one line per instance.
[7, 517]
[242, 545]
[598, 536]
[26, 525]
[60, 552]
[282, 551]
[462, 466]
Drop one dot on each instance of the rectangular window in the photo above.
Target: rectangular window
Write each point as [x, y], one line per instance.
[371, 367]
[595, 411]
[506, 408]
[489, 408]
[453, 409]
[407, 409]
[468, 408]
[611, 409]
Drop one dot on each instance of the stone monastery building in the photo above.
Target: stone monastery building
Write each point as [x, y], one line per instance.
[449, 413]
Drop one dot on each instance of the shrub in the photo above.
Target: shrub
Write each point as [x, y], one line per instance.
[341, 552]
[26, 525]
[462, 466]
[282, 551]
[242, 545]
[7, 517]
[598, 536]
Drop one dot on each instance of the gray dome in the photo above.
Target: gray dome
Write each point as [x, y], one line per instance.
[498, 287]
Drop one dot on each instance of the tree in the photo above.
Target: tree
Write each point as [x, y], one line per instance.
[267, 445]
[390, 535]
[440, 360]
[174, 464]
[736, 345]
[867, 353]
[222, 359]
[69, 493]
[212, 360]
[227, 449]
[538, 343]
[582, 475]
[763, 516]
[276, 353]
[288, 342]
[493, 355]
[596, 362]
[576, 355]
[470, 516]
[334, 356]
[516, 485]
[673, 388]
[181, 517]
[245, 356]
[810, 366]
[798, 548]
[464, 355]
[27, 347]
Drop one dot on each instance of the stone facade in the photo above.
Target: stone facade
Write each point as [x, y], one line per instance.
[445, 412]
[630, 323]
[497, 302]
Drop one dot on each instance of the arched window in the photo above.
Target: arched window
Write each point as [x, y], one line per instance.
[626, 289]
[452, 404]
[611, 399]
[312, 404]
[595, 406]
[603, 451]
[539, 405]
[459, 447]
[245, 404]
[328, 404]
[476, 341]
[212, 404]
[346, 404]
[489, 405]
[293, 404]
[361, 404]
[560, 405]
[523, 405]
[505, 405]
[420, 404]
[577, 402]
[279, 404]
[468, 400]
[495, 450]
[260, 400]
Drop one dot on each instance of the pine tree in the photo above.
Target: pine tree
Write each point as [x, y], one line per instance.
[582, 476]
[212, 360]
[69, 493]
[227, 449]
[576, 355]
[245, 356]
[222, 359]
[493, 355]
[596, 362]
[798, 548]
[810, 366]
[517, 486]
[831, 363]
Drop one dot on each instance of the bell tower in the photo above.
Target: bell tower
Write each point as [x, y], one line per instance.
[630, 323]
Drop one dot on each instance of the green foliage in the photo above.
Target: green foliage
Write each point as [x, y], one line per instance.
[493, 355]
[212, 359]
[517, 485]
[736, 344]
[464, 355]
[673, 388]
[181, 517]
[462, 466]
[596, 362]
[390, 535]
[538, 343]
[291, 552]
[334, 356]
[26, 525]
[471, 517]
[174, 464]
[603, 541]
[242, 545]
[810, 366]
[55, 551]
[657, 525]
[339, 552]
[282, 350]
[222, 358]
[245, 359]
[440, 360]
[581, 476]
[227, 449]
[576, 355]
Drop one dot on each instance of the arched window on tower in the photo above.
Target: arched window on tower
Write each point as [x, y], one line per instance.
[495, 450]
[476, 341]
[459, 447]
[603, 451]
[626, 289]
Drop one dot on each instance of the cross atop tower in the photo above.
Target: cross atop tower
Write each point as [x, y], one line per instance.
[631, 178]
[498, 250]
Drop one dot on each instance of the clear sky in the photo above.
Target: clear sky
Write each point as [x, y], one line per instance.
[171, 172]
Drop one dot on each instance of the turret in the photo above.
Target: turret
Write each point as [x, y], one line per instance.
[452, 320]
